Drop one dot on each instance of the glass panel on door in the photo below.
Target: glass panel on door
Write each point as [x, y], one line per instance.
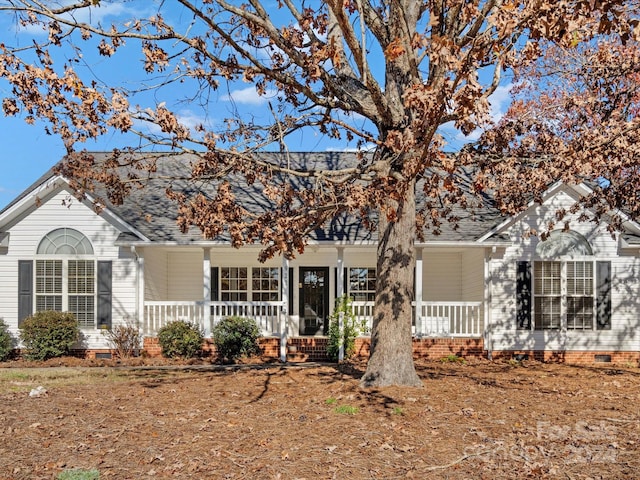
[314, 300]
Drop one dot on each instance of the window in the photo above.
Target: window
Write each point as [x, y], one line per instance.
[233, 284]
[49, 285]
[362, 284]
[569, 291]
[65, 241]
[237, 286]
[580, 295]
[81, 289]
[265, 284]
[66, 284]
[563, 295]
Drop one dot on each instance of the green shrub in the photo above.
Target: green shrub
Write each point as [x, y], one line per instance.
[49, 334]
[453, 358]
[6, 342]
[181, 339]
[235, 337]
[124, 339]
[352, 327]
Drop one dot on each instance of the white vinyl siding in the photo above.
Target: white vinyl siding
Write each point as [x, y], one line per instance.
[472, 266]
[26, 233]
[442, 276]
[156, 273]
[185, 275]
[625, 287]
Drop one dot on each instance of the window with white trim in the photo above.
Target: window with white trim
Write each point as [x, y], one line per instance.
[564, 290]
[362, 284]
[49, 285]
[563, 295]
[237, 286]
[265, 284]
[81, 291]
[66, 282]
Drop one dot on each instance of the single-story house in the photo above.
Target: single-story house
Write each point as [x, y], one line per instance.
[486, 288]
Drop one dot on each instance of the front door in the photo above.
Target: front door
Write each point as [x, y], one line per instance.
[314, 300]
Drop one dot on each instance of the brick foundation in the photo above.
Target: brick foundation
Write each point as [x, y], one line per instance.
[570, 357]
[270, 347]
[302, 349]
[151, 347]
[438, 348]
[434, 348]
[314, 349]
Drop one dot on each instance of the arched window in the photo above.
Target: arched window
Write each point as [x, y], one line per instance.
[64, 282]
[65, 241]
[564, 244]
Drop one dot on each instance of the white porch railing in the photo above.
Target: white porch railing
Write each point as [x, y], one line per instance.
[266, 314]
[435, 319]
[363, 312]
[207, 314]
[158, 314]
[449, 319]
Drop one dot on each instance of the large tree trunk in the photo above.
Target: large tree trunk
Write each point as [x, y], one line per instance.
[391, 360]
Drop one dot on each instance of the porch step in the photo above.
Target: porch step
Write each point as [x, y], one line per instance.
[297, 357]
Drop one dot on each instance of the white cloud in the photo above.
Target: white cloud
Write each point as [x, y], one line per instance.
[248, 96]
[97, 14]
[191, 120]
[94, 15]
[499, 102]
[369, 147]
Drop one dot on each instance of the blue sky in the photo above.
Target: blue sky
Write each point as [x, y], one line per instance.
[28, 152]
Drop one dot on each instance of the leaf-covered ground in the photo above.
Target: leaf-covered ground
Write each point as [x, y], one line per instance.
[475, 420]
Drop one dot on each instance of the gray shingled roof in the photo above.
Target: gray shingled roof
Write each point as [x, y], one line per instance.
[153, 215]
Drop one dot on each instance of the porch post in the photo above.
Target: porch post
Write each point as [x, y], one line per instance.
[340, 290]
[206, 283]
[284, 309]
[488, 280]
[340, 274]
[142, 320]
[418, 292]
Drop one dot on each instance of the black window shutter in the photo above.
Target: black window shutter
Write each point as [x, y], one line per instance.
[345, 283]
[104, 294]
[214, 285]
[603, 295]
[25, 290]
[290, 291]
[523, 296]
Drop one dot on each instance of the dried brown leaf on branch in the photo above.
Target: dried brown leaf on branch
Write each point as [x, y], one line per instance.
[386, 77]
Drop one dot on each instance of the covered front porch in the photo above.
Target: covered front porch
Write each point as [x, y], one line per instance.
[294, 299]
